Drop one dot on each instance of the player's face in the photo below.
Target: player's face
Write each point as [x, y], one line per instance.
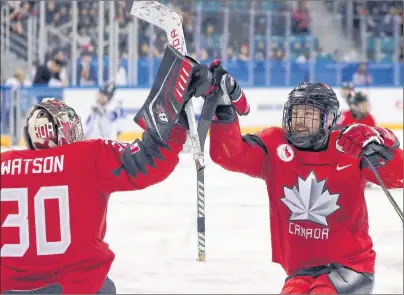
[364, 107]
[102, 99]
[305, 120]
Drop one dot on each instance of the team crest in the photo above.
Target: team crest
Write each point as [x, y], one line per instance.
[161, 113]
[310, 200]
[285, 152]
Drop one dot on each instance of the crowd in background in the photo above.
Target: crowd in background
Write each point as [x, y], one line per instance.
[380, 19]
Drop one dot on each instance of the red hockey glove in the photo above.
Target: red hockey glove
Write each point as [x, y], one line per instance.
[232, 93]
[356, 138]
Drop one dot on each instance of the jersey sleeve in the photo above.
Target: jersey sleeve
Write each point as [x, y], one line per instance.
[245, 154]
[391, 173]
[123, 167]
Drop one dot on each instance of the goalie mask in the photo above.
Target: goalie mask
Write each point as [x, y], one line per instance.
[309, 115]
[51, 123]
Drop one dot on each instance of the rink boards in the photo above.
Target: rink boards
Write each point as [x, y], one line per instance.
[266, 107]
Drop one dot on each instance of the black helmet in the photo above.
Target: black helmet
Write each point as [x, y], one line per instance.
[357, 98]
[316, 95]
[353, 103]
[108, 90]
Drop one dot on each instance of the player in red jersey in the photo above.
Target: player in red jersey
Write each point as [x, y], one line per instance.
[359, 111]
[315, 181]
[54, 195]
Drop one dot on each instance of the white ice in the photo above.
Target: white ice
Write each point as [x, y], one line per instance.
[153, 233]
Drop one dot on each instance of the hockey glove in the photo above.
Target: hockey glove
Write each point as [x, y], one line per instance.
[360, 140]
[232, 98]
[232, 93]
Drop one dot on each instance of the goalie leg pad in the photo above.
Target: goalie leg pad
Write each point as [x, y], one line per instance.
[178, 79]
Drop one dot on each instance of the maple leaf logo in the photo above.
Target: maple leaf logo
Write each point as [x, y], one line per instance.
[310, 201]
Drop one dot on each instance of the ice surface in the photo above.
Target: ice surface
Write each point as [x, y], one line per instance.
[153, 233]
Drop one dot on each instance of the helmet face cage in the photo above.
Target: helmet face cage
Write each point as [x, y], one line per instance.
[65, 120]
[320, 126]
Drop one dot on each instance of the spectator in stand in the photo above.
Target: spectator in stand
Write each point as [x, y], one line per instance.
[87, 75]
[17, 80]
[361, 76]
[244, 54]
[49, 73]
[51, 11]
[59, 56]
[301, 18]
[391, 22]
[210, 41]
[18, 11]
[231, 56]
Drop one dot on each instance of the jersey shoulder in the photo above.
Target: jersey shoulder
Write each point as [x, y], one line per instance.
[272, 135]
[268, 138]
[370, 120]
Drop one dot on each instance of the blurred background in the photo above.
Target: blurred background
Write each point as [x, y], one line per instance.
[47, 46]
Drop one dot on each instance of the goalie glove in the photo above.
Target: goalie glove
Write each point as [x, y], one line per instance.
[178, 78]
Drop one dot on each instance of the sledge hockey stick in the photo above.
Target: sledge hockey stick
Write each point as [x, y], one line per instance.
[386, 191]
[370, 150]
[167, 19]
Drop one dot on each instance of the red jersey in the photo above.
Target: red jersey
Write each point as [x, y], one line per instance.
[53, 212]
[347, 118]
[317, 205]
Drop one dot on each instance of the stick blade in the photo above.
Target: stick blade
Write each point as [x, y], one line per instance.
[155, 13]
[160, 16]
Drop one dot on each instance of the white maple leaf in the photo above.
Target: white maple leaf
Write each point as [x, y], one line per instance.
[310, 201]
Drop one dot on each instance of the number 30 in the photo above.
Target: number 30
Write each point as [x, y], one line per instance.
[20, 220]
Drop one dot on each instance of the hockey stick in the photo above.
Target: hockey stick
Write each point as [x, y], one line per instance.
[386, 191]
[167, 19]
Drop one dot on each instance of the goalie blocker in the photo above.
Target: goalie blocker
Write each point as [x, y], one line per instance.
[178, 79]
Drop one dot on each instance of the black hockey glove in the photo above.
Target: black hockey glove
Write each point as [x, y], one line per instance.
[232, 97]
